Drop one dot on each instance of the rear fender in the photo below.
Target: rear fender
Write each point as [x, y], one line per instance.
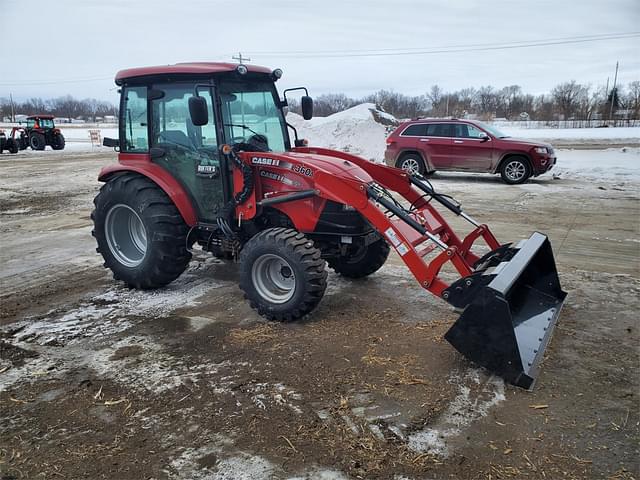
[160, 177]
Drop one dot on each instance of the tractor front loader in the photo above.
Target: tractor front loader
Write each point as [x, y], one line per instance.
[205, 157]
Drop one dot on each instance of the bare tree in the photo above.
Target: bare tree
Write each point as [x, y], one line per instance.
[633, 98]
[567, 97]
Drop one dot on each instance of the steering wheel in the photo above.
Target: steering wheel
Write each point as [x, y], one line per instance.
[259, 141]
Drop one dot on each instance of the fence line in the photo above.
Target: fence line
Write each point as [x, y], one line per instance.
[567, 123]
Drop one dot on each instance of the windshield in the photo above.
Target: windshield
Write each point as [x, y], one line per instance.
[40, 123]
[250, 115]
[492, 130]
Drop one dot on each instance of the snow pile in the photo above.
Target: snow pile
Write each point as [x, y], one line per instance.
[360, 130]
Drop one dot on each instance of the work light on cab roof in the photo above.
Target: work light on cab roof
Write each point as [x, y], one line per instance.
[206, 159]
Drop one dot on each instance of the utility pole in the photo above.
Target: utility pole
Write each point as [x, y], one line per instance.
[613, 92]
[13, 110]
[240, 58]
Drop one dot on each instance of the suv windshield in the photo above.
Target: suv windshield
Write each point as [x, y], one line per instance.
[492, 130]
[251, 115]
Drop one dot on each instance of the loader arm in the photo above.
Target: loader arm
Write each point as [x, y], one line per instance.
[511, 296]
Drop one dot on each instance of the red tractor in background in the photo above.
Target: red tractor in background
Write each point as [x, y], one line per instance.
[205, 158]
[39, 132]
[10, 144]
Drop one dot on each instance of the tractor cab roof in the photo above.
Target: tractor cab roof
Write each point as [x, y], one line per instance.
[192, 68]
[43, 117]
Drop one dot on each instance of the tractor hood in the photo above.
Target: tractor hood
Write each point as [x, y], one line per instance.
[308, 164]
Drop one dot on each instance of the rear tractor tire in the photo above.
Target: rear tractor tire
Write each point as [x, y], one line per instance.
[282, 274]
[12, 145]
[37, 141]
[364, 261]
[140, 233]
[58, 142]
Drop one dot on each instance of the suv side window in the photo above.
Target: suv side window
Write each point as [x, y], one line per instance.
[464, 130]
[474, 132]
[439, 130]
[416, 130]
[136, 135]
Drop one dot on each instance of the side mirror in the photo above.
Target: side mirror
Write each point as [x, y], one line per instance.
[307, 107]
[198, 111]
[110, 142]
[484, 137]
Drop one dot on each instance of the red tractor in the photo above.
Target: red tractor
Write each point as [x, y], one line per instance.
[205, 157]
[39, 132]
[10, 144]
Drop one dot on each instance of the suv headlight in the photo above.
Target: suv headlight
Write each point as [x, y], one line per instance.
[541, 150]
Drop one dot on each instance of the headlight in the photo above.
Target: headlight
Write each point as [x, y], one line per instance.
[541, 150]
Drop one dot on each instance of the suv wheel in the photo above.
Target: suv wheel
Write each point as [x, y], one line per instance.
[515, 170]
[411, 163]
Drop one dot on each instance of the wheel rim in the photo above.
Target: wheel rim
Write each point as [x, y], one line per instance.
[273, 278]
[515, 171]
[126, 235]
[410, 165]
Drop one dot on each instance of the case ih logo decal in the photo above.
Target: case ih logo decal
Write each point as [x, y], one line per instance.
[265, 161]
[274, 162]
[279, 178]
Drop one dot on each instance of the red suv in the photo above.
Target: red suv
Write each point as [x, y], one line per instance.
[424, 146]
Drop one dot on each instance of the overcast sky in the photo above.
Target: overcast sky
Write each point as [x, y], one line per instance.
[89, 40]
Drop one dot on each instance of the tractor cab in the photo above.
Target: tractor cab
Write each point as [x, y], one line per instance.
[41, 122]
[178, 116]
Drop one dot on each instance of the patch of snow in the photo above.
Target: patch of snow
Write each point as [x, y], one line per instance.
[88, 320]
[463, 410]
[240, 466]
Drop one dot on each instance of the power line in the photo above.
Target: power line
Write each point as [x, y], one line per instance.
[449, 49]
[594, 36]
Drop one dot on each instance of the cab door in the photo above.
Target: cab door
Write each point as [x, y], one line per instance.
[189, 152]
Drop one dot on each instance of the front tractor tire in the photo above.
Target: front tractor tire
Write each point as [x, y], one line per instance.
[363, 261]
[140, 233]
[58, 142]
[37, 141]
[282, 274]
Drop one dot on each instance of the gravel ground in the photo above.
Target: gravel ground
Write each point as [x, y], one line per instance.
[98, 381]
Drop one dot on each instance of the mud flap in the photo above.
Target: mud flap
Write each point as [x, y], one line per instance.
[509, 321]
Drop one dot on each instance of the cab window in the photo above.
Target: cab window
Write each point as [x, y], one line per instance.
[134, 111]
[251, 115]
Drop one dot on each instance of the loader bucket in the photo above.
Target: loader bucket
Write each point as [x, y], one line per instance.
[508, 323]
